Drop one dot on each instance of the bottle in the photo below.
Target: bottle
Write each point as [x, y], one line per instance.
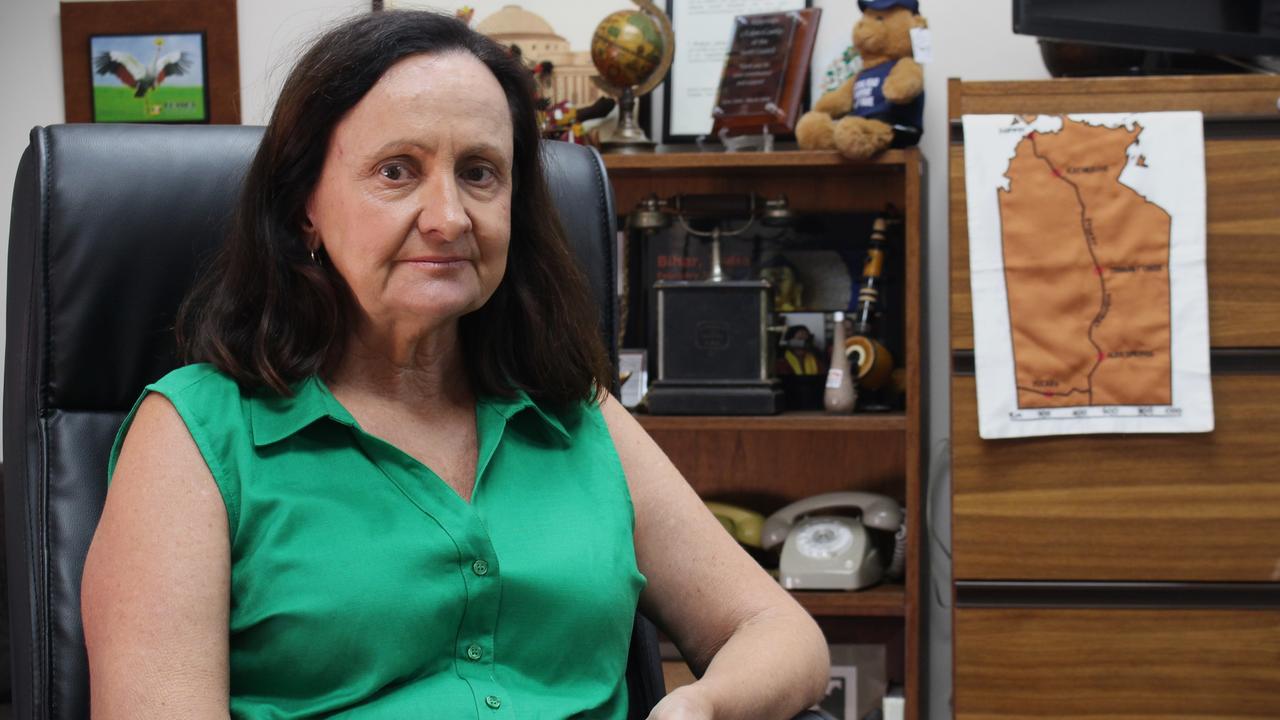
[840, 394]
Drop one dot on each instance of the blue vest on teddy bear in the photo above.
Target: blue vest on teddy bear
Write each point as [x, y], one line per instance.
[869, 102]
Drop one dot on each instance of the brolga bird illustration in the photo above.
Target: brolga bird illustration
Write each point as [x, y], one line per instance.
[142, 78]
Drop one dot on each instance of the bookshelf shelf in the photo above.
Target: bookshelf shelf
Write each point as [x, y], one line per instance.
[787, 421]
[879, 601]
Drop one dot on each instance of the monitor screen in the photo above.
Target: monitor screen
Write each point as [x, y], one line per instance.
[1238, 28]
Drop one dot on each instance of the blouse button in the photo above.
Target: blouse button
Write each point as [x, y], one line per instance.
[475, 652]
[480, 567]
[493, 701]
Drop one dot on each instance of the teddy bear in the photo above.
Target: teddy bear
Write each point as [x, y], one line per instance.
[883, 105]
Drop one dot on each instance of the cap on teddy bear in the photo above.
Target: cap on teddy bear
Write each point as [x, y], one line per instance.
[865, 5]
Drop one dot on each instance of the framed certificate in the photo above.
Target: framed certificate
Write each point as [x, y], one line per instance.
[704, 30]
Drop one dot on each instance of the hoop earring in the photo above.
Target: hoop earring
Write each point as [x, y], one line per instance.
[315, 258]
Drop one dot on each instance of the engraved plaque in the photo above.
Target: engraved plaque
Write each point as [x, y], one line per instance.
[763, 77]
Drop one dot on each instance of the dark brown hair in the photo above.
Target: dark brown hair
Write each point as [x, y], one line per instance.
[267, 315]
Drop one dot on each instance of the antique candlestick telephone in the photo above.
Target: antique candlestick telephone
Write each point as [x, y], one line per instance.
[714, 355]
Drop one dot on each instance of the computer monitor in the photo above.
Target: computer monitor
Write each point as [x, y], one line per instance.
[1236, 28]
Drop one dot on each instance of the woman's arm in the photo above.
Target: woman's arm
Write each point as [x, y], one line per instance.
[155, 594]
[757, 652]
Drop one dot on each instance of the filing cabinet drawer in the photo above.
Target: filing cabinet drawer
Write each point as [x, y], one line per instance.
[1196, 507]
[1116, 663]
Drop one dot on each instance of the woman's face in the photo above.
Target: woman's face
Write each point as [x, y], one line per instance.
[413, 205]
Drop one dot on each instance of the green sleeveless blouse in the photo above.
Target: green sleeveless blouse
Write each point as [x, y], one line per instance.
[363, 587]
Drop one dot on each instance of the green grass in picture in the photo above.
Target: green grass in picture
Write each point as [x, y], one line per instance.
[164, 104]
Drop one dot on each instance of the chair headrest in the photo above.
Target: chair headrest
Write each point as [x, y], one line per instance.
[118, 202]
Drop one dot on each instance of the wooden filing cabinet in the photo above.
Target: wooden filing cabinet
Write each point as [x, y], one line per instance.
[1132, 576]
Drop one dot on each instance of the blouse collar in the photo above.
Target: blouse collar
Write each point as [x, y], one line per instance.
[276, 417]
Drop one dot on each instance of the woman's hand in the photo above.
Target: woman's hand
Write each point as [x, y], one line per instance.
[684, 703]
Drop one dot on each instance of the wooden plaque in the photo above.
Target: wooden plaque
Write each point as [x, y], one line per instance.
[764, 74]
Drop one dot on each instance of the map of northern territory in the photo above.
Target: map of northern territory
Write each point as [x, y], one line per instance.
[1086, 244]
[1086, 265]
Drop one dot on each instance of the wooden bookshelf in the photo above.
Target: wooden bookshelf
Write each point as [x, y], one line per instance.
[765, 462]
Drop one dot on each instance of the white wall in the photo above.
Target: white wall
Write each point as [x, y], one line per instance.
[29, 50]
[971, 40]
[272, 35]
[270, 32]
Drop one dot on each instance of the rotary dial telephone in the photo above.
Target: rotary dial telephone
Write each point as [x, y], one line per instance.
[826, 544]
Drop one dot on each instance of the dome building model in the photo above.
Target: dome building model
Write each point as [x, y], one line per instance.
[538, 41]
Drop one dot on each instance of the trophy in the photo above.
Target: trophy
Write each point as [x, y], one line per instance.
[632, 51]
[714, 353]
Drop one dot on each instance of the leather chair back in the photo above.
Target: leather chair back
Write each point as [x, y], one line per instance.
[110, 226]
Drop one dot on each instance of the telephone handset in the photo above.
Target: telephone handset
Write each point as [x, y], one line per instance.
[823, 549]
[744, 525]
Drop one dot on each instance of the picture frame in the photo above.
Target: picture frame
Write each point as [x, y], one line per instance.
[816, 322]
[857, 683]
[841, 698]
[689, 91]
[802, 369]
[133, 83]
[214, 21]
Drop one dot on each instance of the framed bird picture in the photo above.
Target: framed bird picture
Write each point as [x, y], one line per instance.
[152, 78]
[150, 61]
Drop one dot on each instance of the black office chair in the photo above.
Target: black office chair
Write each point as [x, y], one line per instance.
[110, 225]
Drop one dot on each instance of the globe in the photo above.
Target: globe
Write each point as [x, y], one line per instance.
[627, 48]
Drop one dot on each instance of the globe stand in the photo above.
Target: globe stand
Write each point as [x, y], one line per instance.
[629, 137]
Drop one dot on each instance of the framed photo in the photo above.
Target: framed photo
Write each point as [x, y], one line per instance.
[841, 699]
[814, 322]
[802, 359]
[703, 30]
[149, 78]
[857, 683]
[152, 61]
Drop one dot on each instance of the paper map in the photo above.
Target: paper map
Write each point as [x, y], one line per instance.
[1086, 253]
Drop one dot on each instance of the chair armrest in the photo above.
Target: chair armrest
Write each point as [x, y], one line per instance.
[814, 715]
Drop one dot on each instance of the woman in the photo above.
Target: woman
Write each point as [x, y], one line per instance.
[393, 473]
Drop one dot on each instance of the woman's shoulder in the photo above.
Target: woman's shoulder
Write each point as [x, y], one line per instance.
[196, 378]
[204, 395]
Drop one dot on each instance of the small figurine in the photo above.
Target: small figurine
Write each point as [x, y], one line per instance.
[788, 291]
[565, 122]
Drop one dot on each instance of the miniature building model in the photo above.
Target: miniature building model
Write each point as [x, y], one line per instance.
[538, 41]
